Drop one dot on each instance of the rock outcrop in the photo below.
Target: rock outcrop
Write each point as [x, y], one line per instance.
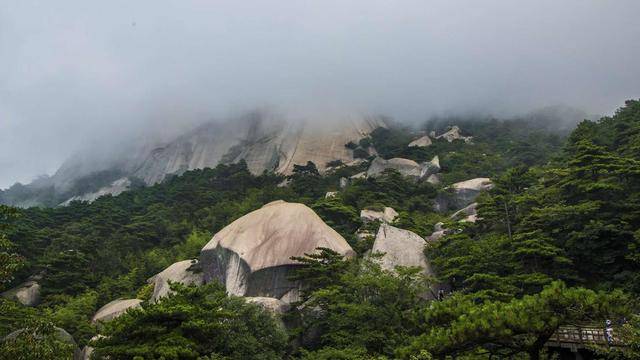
[453, 133]
[467, 191]
[252, 255]
[27, 293]
[406, 167]
[181, 272]
[461, 194]
[387, 215]
[421, 142]
[400, 248]
[114, 309]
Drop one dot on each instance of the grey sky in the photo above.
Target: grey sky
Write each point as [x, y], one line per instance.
[82, 73]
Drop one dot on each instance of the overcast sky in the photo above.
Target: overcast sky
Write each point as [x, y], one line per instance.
[78, 73]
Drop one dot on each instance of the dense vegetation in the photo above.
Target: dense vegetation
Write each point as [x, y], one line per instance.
[558, 242]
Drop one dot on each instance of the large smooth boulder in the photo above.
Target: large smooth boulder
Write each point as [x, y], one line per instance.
[405, 167]
[387, 215]
[181, 272]
[27, 293]
[114, 309]
[421, 142]
[401, 248]
[252, 255]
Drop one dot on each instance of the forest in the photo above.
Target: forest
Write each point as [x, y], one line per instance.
[557, 242]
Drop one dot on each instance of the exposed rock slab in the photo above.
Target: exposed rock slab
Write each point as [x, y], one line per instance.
[27, 293]
[114, 309]
[421, 142]
[252, 255]
[387, 215]
[180, 272]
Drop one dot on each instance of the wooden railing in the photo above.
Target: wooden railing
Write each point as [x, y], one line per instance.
[576, 337]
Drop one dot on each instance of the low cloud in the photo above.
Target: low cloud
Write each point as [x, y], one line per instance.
[77, 74]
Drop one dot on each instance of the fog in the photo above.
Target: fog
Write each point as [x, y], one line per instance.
[80, 74]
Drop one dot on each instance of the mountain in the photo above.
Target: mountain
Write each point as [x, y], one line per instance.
[263, 140]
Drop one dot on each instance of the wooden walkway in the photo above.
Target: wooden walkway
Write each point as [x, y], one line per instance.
[580, 337]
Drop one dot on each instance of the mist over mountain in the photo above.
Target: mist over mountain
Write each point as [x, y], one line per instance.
[77, 76]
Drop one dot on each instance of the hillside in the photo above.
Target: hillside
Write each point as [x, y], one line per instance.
[520, 228]
[264, 140]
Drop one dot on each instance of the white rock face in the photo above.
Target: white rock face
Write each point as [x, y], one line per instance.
[421, 142]
[252, 255]
[264, 141]
[386, 216]
[178, 272]
[344, 182]
[274, 306]
[27, 293]
[114, 309]
[401, 248]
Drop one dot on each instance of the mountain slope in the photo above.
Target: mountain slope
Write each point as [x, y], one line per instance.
[263, 140]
